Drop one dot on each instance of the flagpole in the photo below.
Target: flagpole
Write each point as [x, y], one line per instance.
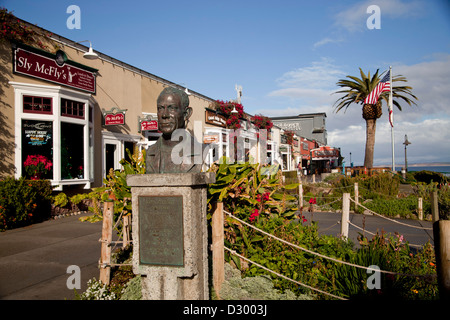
[391, 119]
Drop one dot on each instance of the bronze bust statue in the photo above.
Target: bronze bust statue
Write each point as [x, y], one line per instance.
[170, 154]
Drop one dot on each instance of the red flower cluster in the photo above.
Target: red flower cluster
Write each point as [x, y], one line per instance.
[13, 30]
[35, 160]
[262, 122]
[264, 197]
[312, 201]
[226, 107]
[289, 137]
[37, 164]
[254, 214]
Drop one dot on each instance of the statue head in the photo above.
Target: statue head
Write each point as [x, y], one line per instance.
[173, 110]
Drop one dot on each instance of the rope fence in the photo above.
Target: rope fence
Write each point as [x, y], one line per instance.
[283, 276]
[316, 253]
[392, 220]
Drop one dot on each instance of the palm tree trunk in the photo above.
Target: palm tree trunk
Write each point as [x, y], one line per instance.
[371, 125]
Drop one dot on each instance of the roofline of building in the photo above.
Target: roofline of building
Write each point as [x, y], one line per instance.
[303, 115]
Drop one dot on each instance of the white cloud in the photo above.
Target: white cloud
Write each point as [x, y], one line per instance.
[354, 18]
[428, 142]
[313, 84]
[325, 41]
[429, 82]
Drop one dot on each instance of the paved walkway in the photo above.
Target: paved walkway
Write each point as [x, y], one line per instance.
[34, 259]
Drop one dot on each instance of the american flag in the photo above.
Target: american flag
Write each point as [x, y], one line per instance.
[382, 86]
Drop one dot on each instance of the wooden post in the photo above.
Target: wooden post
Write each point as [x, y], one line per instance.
[126, 230]
[300, 193]
[105, 255]
[218, 255]
[345, 214]
[356, 196]
[420, 209]
[441, 233]
[434, 206]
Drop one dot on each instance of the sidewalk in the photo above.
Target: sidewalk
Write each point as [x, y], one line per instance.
[34, 259]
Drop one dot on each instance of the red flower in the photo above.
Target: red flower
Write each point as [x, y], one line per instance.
[254, 215]
[312, 201]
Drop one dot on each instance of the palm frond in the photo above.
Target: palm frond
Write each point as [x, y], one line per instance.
[355, 90]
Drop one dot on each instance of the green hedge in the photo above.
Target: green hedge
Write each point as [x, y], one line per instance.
[393, 207]
[23, 202]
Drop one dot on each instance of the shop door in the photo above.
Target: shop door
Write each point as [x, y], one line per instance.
[112, 154]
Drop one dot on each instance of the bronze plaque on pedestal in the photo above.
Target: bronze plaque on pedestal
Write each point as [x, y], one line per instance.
[161, 230]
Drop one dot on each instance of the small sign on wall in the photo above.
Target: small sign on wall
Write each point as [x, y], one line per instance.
[114, 117]
[147, 124]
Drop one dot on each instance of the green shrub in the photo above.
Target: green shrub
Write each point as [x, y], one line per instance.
[23, 202]
[429, 177]
[253, 288]
[393, 207]
[392, 254]
[60, 200]
[291, 262]
[132, 290]
[444, 202]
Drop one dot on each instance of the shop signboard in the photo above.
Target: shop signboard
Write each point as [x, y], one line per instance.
[215, 119]
[325, 153]
[211, 138]
[55, 68]
[114, 117]
[149, 125]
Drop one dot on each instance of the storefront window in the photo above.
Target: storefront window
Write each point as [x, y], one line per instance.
[37, 149]
[33, 104]
[53, 128]
[70, 108]
[72, 151]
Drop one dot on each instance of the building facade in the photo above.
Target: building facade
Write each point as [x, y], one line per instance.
[311, 126]
[310, 152]
[81, 115]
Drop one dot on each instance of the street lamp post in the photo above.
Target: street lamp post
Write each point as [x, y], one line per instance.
[406, 159]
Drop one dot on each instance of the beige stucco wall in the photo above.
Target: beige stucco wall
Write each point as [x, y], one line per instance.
[6, 113]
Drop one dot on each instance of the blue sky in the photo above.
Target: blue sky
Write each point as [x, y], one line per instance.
[287, 56]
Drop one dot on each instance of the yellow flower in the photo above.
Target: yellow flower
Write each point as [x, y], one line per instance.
[415, 291]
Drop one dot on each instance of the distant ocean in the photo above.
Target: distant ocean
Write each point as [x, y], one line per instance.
[442, 169]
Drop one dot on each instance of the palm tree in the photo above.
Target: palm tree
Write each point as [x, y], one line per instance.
[357, 89]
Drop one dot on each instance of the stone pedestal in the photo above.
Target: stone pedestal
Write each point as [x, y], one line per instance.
[170, 237]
